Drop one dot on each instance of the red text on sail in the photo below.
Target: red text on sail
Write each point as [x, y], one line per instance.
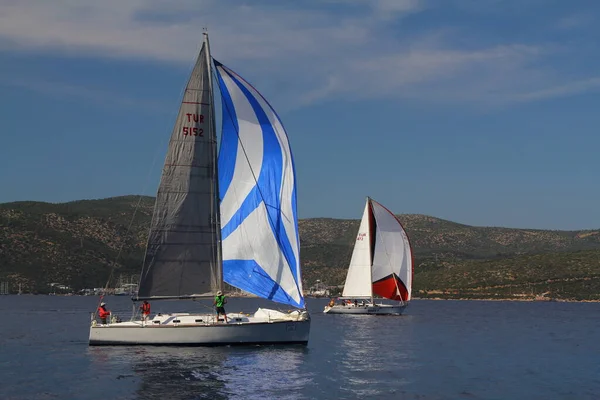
[194, 130]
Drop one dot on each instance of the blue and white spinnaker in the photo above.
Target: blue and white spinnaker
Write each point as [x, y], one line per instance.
[259, 221]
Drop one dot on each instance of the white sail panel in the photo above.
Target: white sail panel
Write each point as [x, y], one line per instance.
[252, 242]
[393, 260]
[259, 222]
[248, 161]
[358, 280]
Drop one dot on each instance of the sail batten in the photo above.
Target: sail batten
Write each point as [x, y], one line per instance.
[258, 195]
[181, 258]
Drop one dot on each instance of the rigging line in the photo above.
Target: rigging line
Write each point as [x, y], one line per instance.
[390, 264]
[156, 154]
[137, 206]
[252, 170]
[393, 273]
[196, 104]
[216, 278]
[229, 113]
[243, 149]
[410, 251]
[182, 93]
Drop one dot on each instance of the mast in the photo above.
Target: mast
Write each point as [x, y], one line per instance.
[215, 204]
[371, 255]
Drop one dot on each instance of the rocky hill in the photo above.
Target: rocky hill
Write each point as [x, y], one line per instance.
[76, 243]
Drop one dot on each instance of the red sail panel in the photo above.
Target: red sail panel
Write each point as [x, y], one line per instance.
[391, 287]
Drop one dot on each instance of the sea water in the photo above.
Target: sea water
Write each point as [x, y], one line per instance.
[437, 350]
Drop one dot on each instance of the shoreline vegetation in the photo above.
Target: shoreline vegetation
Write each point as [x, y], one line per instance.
[523, 299]
[79, 245]
[519, 299]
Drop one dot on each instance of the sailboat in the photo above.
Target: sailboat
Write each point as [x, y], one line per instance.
[228, 218]
[381, 264]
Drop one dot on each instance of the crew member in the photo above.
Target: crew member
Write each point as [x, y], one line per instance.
[103, 313]
[219, 303]
[145, 307]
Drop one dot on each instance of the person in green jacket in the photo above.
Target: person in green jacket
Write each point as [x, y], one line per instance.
[219, 303]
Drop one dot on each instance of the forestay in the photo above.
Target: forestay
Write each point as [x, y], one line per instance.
[181, 256]
[260, 241]
[392, 261]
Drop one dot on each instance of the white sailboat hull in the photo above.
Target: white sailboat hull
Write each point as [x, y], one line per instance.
[265, 327]
[369, 309]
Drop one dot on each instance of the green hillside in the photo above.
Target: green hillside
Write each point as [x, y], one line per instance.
[76, 244]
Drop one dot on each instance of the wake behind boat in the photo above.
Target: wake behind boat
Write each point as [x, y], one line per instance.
[381, 264]
[229, 220]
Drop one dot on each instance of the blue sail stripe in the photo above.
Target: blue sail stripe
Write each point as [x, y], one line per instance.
[237, 273]
[253, 199]
[250, 203]
[269, 182]
[295, 268]
[229, 138]
[272, 198]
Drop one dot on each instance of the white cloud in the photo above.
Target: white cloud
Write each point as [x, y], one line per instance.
[562, 90]
[383, 7]
[93, 95]
[392, 7]
[575, 21]
[304, 55]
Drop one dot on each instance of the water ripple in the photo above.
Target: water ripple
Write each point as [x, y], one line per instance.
[440, 350]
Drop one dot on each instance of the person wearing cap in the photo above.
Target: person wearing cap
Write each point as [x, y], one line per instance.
[103, 313]
[219, 303]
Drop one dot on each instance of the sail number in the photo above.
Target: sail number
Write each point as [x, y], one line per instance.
[361, 236]
[193, 130]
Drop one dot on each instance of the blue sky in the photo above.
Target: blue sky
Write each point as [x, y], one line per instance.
[479, 111]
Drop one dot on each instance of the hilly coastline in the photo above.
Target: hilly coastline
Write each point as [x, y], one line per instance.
[76, 244]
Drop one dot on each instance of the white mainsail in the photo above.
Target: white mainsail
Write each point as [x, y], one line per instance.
[358, 280]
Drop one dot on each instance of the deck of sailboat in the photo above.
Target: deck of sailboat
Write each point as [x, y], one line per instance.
[185, 329]
[367, 309]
